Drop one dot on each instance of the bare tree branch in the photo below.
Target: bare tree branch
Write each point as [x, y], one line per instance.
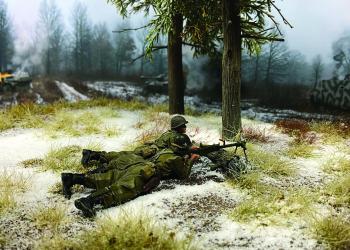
[131, 29]
[280, 13]
[275, 39]
[154, 48]
[192, 45]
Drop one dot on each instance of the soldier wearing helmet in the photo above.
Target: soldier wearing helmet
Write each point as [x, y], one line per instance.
[129, 175]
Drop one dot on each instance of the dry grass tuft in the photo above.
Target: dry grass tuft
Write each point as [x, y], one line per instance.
[334, 231]
[159, 123]
[337, 165]
[130, 231]
[293, 127]
[32, 163]
[50, 217]
[11, 184]
[339, 190]
[270, 164]
[3, 240]
[301, 149]
[66, 158]
[255, 134]
[30, 115]
[63, 158]
[300, 130]
[332, 132]
[57, 188]
[57, 242]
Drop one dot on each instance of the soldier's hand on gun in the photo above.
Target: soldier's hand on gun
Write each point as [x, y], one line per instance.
[194, 147]
[194, 157]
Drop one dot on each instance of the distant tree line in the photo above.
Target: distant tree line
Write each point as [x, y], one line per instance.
[89, 50]
[84, 50]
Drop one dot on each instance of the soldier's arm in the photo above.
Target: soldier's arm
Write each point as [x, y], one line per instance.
[183, 166]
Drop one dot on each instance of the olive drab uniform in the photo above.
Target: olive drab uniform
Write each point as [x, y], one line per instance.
[128, 172]
[174, 140]
[125, 181]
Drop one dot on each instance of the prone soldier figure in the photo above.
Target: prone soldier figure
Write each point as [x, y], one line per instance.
[133, 173]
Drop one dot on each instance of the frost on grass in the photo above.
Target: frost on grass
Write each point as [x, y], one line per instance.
[12, 183]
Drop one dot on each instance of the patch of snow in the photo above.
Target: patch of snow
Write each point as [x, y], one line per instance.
[69, 93]
[123, 90]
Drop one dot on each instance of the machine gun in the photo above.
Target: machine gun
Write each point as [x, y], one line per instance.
[206, 149]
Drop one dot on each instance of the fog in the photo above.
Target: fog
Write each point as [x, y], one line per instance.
[317, 23]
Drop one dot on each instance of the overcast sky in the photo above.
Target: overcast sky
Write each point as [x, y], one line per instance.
[317, 23]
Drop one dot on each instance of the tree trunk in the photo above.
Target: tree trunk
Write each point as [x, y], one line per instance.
[231, 69]
[256, 71]
[175, 76]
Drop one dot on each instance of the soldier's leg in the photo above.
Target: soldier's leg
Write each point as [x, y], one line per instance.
[135, 181]
[68, 180]
[90, 157]
[95, 181]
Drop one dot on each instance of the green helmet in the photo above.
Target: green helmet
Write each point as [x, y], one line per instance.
[177, 121]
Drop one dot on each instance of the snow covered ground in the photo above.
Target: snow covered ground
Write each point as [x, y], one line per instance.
[200, 209]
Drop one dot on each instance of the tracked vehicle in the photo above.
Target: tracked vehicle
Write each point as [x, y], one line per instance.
[13, 81]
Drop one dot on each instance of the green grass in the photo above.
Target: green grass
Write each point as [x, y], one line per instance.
[303, 150]
[334, 231]
[127, 231]
[270, 163]
[66, 158]
[11, 184]
[51, 217]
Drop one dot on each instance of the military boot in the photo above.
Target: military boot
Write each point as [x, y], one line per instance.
[86, 205]
[68, 180]
[88, 156]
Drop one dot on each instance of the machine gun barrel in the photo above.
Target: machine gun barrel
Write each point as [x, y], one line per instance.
[203, 150]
